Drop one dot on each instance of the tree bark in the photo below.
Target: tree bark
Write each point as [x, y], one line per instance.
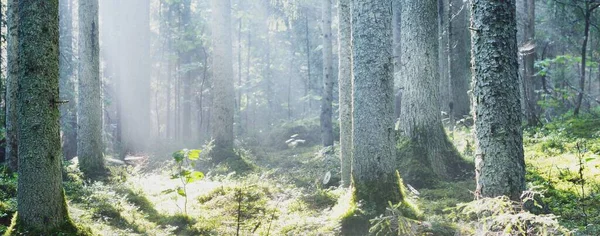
[500, 166]
[530, 81]
[89, 129]
[373, 140]
[421, 120]
[12, 52]
[327, 96]
[40, 197]
[345, 88]
[397, 32]
[223, 91]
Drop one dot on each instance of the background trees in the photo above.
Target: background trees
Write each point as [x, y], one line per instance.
[68, 112]
[241, 79]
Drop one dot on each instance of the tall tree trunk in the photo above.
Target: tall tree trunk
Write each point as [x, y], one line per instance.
[12, 52]
[421, 120]
[530, 81]
[308, 87]
[588, 9]
[68, 111]
[345, 86]
[89, 129]
[327, 96]
[223, 91]
[499, 163]
[445, 90]
[459, 58]
[40, 196]
[187, 76]
[373, 140]
[396, 24]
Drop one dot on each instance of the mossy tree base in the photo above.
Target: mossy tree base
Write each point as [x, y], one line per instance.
[415, 165]
[231, 159]
[357, 220]
[67, 228]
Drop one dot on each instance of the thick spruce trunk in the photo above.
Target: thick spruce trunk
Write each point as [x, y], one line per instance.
[421, 120]
[40, 197]
[374, 149]
[500, 166]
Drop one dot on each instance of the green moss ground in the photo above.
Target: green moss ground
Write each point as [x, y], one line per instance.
[284, 194]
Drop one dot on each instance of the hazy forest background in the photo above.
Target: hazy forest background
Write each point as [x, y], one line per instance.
[300, 117]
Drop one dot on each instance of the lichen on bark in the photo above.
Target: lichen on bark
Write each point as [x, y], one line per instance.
[41, 202]
[500, 165]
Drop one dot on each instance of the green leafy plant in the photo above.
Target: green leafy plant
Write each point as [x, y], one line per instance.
[185, 161]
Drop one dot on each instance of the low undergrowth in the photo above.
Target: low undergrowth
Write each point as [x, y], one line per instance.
[294, 191]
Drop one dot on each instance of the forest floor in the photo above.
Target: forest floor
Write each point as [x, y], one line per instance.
[285, 194]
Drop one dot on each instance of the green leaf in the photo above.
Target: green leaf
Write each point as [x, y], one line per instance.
[194, 154]
[185, 173]
[168, 191]
[179, 156]
[589, 159]
[180, 191]
[195, 176]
